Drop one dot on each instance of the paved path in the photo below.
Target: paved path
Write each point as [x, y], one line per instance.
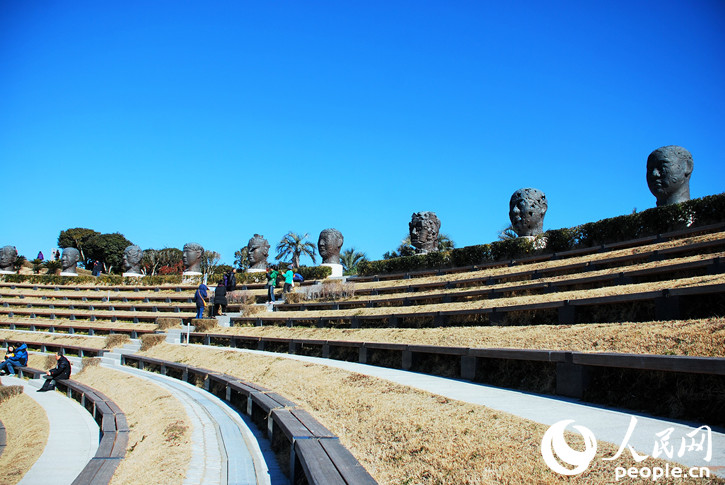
[607, 424]
[225, 449]
[72, 440]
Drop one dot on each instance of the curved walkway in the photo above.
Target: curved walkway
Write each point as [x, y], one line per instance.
[607, 424]
[72, 438]
[225, 450]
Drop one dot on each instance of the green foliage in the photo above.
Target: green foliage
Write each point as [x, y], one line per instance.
[507, 233]
[695, 212]
[76, 237]
[37, 264]
[349, 259]
[19, 262]
[103, 280]
[107, 248]
[52, 266]
[294, 245]
[241, 259]
[314, 272]
[445, 243]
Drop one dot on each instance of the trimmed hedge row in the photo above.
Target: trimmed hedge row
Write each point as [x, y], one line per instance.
[693, 213]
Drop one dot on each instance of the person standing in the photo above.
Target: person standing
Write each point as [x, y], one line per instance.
[61, 371]
[40, 255]
[288, 279]
[220, 299]
[97, 268]
[272, 274]
[200, 297]
[231, 280]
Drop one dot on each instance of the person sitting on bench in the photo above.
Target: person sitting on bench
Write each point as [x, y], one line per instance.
[14, 358]
[61, 371]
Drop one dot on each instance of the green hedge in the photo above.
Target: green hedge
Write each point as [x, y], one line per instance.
[693, 213]
[314, 272]
[103, 280]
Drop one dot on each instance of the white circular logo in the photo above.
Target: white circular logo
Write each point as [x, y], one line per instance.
[554, 445]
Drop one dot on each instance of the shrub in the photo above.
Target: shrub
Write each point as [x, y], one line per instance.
[314, 272]
[151, 340]
[204, 324]
[695, 212]
[293, 297]
[19, 262]
[6, 392]
[248, 310]
[242, 297]
[162, 323]
[116, 340]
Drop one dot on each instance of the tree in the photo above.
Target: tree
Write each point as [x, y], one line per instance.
[170, 261]
[209, 262]
[294, 245]
[76, 237]
[150, 261]
[350, 258]
[107, 248]
[445, 243]
[241, 259]
[507, 233]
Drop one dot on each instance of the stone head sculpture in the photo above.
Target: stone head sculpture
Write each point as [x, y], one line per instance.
[191, 257]
[329, 245]
[69, 259]
[132, 256]
[257, 252]
[668, 174]
[424, 227]
[527, 209]
[8, 256]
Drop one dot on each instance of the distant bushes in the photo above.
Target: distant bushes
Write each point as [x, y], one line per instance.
[695, 212]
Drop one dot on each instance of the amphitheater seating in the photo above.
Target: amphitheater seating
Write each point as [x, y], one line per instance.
[3, 438]
[312, 449]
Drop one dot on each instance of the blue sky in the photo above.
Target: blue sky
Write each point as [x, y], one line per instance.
[179, 121]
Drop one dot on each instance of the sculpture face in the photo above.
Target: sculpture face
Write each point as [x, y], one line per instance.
[192, 257]
[69, 259]
[329, 245]
[132, 256]
[527, 209]
[8, 256]
[668, 174]
[257, 252]
[424, 227]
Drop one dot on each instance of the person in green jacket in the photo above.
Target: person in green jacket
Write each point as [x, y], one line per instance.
[272, 274]
[288, 278]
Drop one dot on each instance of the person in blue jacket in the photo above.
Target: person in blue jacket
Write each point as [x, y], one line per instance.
[17, 358]
[200, 298]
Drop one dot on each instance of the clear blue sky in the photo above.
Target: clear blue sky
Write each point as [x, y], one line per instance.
[178, 121]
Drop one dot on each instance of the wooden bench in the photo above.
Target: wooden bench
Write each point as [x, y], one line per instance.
[73, 329]
[3, 438]
[78, 350]
[308, 451]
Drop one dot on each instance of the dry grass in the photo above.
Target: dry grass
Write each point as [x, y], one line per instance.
[164, 323]
[504, 302]
[53, 338]
[401, 435]
[204, 324]
[6, 392]
[703, 337]
[151, 340]
[159, 446]
[116, 340]
[27, 430]
[249, 310]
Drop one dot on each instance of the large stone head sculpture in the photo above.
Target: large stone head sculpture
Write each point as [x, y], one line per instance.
[668, 174]
[329, 245]
[69, 259]
[424, 227]
[192, 254]
[132, 256]
[257, 252]
[527, 209]
[8, 256]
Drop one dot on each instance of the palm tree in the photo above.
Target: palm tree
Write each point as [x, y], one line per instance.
[294, 245]
[445, 243]
[507, 233]
[350, 258]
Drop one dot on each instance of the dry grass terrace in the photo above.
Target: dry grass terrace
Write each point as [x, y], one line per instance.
[27, 430]
[401, 435]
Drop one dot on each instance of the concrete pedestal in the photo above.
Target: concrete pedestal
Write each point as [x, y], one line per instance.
[256, 270]
[539, 243]
[132, 275]
[336, 269]
[68, 274]
[190, 273]
[7, 272]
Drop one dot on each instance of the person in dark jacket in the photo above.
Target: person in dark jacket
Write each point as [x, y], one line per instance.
[61, 371]
[200, 298]
[231, 282]
[15, 358]
[220, 299]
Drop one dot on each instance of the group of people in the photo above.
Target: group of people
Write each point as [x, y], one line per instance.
[219, 303]
[16, 357]
[273, 274]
